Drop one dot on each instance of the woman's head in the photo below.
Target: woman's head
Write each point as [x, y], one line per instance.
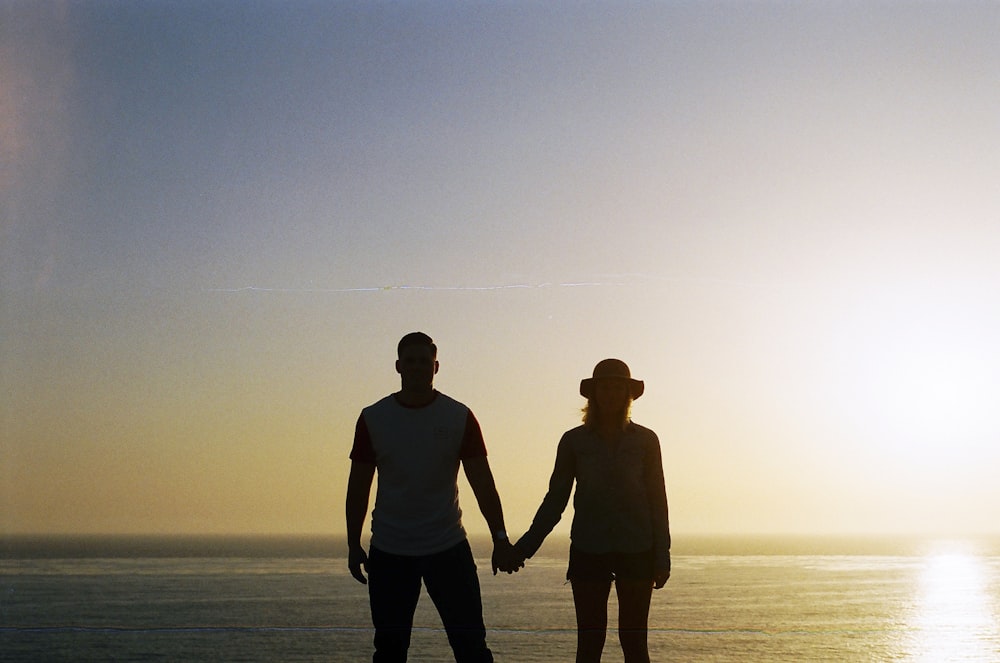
[609, 393]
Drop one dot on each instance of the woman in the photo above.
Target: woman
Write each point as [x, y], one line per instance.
[620, 529]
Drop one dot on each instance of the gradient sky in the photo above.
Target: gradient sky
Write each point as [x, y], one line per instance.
[218, 219]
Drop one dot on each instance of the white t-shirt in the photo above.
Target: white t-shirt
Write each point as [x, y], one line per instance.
[417, 452]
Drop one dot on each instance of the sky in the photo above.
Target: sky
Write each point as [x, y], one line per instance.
[217, 219]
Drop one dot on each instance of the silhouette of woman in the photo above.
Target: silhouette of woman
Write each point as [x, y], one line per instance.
[620, 532]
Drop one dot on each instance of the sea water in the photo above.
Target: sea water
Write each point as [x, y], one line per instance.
[293, 600]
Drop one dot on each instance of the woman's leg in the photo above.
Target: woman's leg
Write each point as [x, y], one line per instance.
[591, 600]
[633, 618]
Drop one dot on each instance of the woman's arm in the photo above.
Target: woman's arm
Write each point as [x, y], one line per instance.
[656, 492]
[550, 511]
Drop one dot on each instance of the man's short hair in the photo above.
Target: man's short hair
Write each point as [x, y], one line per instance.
[416, 338]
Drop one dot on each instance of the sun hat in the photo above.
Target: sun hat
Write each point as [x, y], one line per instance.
[611, 369]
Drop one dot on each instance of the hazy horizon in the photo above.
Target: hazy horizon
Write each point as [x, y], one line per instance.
[556, 547]
[217, 219]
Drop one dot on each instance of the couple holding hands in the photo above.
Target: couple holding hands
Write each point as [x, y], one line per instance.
[416, 439]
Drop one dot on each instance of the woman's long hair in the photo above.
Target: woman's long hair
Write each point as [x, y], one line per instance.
[592, 415]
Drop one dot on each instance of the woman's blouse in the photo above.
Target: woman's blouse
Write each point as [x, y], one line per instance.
[620, 504]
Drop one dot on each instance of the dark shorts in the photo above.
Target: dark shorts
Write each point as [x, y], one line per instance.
[605, 567]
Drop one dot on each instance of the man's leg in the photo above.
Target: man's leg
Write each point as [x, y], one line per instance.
[393, 590]
[453, 585]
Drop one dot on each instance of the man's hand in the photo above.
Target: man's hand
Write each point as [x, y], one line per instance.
[506, 557]
[356, 558]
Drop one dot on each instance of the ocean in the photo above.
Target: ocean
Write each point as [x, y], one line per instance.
[292, 599]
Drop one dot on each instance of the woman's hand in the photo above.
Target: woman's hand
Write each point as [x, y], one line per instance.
[661, 575]
[506, 557]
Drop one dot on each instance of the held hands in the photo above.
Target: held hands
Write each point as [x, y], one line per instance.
[356, 558]
[506, 557]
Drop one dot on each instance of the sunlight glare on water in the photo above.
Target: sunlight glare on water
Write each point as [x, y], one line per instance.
[954, 618]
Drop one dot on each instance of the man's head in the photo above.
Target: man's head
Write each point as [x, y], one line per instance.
[416, 338]
[416, 361]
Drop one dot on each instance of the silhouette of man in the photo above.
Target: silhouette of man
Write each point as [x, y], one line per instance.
[416, 438]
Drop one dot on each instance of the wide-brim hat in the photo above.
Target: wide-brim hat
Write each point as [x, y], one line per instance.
[611, 369]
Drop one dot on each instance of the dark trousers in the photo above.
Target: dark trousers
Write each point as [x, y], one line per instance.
[451, 581]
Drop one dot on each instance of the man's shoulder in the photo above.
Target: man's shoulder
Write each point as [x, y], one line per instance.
[448, 401]
[441, 401]
[388, 399]
[446, 408]
[384, 402]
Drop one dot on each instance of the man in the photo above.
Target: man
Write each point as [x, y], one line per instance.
[416, 438]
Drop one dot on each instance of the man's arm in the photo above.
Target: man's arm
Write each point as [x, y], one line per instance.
[359, 487]
[477, 471]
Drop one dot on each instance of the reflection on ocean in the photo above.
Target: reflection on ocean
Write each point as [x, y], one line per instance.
[955, 619]
[735, 600]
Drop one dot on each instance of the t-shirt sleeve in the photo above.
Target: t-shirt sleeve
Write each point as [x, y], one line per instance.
[362, 451]
[473, 444]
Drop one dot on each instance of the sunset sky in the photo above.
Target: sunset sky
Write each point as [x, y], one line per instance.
[217, 219]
